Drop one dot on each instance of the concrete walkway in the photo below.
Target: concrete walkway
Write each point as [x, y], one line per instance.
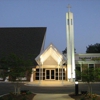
[50, 83]
[52, 97]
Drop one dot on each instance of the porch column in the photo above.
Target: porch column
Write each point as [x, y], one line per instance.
[39, 75]
[31, 78]
[81, 70]
[7, 79]
[42, 71]
[62, 73]
[58, 71]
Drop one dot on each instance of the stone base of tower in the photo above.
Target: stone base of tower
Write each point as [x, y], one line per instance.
[71, 80]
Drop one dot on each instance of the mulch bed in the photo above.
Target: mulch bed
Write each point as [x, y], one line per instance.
[18, 97]
[80, 96]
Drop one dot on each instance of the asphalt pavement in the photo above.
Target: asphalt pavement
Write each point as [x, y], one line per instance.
[6, 87]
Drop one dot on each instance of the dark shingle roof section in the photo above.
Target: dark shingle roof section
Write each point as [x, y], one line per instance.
[23, 41]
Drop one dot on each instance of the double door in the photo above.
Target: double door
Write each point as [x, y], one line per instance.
[50, 74]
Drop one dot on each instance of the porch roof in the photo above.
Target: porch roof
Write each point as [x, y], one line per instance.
[53, 52]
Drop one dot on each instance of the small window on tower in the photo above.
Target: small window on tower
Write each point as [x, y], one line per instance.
[71, 22]
[68, 21]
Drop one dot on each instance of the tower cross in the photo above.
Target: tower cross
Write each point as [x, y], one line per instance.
[69, 7]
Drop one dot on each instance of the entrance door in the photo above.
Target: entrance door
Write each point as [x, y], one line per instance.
[50, 74]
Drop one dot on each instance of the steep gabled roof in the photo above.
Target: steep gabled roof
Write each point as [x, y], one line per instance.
[22, 41]
[52, 51]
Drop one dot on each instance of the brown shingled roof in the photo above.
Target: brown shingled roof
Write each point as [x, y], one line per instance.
[22, 41]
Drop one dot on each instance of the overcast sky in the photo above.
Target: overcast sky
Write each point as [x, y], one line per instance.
[52, 14]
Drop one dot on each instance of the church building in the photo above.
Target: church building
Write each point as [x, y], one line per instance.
[53, 65]
[49, 64]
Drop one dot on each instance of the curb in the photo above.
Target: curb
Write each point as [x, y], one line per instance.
[3, 95]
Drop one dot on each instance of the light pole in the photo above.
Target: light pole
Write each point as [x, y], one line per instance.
[76, 87]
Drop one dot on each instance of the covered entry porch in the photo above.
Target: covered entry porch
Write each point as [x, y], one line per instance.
[48, 73]
[50, 65]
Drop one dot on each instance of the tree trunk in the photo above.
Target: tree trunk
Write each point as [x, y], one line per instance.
[18, 90]
[89, 87]
[15, 88]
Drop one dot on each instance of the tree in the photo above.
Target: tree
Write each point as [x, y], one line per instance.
[89, 75]
[93, 48]
[16, 68]
[65, 51]
[86, 77]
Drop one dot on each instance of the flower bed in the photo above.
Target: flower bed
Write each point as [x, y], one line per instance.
[85, 96]
[23, 96]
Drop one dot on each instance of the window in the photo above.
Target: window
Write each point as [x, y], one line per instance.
[39, 73]
[91, 66]
[68, 21]
[78, 70]
[91, 71]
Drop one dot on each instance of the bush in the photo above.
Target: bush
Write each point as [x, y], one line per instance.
[24, 91]
[89, 97]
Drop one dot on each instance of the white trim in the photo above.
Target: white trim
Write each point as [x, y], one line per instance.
[43, 43]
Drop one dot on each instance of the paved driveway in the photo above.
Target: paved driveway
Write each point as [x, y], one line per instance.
[9, 87]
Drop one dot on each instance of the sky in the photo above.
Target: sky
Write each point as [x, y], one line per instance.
[52, 14]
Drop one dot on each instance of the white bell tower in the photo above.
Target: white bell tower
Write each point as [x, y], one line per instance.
[70, 46]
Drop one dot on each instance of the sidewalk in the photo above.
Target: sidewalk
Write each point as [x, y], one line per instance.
[52, 97]
[50, 83]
